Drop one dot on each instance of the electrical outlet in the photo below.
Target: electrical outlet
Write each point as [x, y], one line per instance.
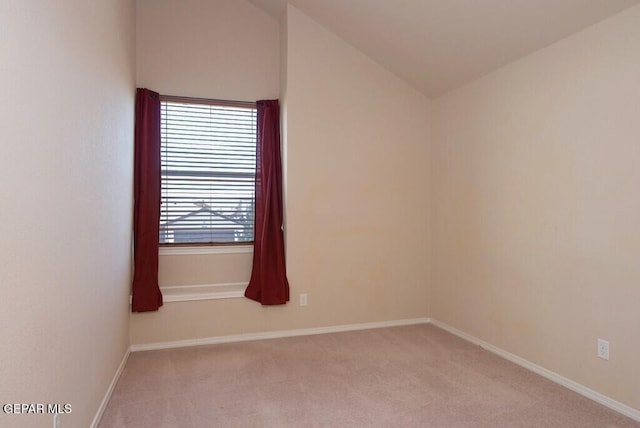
[603, 349]
[56, 420]
[303, 299]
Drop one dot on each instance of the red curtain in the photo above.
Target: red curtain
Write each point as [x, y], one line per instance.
[268, 284]
[146, 209]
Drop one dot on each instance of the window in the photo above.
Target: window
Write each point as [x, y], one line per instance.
[208, 164]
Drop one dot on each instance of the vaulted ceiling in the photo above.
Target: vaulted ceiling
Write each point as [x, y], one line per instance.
[438, 45]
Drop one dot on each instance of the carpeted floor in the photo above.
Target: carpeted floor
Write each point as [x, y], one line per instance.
[414, 376]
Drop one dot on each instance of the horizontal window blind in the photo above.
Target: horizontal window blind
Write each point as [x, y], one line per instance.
[208, 165]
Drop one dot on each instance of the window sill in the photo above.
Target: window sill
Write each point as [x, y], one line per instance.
[213, 249]
[189, 293]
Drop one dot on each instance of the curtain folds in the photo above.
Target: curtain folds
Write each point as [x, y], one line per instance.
[146, 295]
[268, 284]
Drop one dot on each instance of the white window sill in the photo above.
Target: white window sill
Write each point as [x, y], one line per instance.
[189, 293]
[213, 249]
[192, 293]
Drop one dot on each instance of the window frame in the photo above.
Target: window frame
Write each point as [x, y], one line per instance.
[178, 248]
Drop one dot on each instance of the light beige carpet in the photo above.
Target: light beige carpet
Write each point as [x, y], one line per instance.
[415, 376]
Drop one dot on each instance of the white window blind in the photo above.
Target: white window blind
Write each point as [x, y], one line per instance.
[208, 151]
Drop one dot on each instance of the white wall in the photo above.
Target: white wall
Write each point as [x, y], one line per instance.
[356, 173]
[535, 207]
[66, 155]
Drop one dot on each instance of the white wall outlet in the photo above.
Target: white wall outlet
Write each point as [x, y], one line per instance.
[603, 349]
[303, 299]
[56, 420]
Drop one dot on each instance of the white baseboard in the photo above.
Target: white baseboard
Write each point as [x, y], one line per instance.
[552, 376]
[548, 374]
[275, 334]
[107, 396]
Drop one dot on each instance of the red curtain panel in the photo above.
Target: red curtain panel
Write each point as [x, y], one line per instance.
[146, 210]
[268, 284]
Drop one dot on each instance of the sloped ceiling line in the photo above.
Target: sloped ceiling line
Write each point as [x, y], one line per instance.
[440, 45]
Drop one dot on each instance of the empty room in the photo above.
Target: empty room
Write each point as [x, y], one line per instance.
[336, 213]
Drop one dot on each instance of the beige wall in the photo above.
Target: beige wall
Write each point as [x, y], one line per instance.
[66, 155]
[535, 175]
[223, 49]
[357, 171]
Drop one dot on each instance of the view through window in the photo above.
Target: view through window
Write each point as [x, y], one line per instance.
[208, 151]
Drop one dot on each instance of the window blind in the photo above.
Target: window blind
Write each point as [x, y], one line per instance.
[208, 151]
